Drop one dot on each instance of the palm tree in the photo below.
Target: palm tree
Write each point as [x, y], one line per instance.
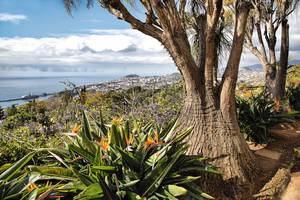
[209, 108]
[270, 15]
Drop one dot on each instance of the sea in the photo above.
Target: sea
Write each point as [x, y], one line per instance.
[18, 85]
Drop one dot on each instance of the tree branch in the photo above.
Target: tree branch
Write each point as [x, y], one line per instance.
[260, 40]
[213, 8]
[230, 75]
[116, 8]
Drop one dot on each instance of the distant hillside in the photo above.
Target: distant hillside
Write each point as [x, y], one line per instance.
[258, 67]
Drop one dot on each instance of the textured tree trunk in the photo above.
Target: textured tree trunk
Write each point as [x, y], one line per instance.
[270, 76]
[270, 80]
[284, 53]
[216, 133]
[224, 145]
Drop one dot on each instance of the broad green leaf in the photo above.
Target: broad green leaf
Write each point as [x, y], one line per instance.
[10, 172]
[84, 179]
[176, 190]
[129, 160]
[33, 195]
[59, 159]
[157, 175]
[134, 196]
[168, 132]
[179, 179]
[114, 136]
[86, 126]
[109, 195]
[82, 152]
[195, 189]
[104, 168]
[93, 191]
[20, 183]
[181, 136]
[62, 173]
[129, 184]
[5, 167]
[208, 169]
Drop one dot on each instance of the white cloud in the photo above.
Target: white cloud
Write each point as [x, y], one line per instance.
[14, 18]
[109, 46]
[106, 48]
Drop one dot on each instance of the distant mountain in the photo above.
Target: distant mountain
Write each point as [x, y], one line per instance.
[258, 67]
[255, 67]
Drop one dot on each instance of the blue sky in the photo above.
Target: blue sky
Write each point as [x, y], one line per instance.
[39, 36]
[46, 18]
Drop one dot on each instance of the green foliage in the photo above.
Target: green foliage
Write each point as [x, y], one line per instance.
[293, 77]
[118, 161]
[34, 111]
[293, 96]
[256, 114]
[14, 181]
[20, 141]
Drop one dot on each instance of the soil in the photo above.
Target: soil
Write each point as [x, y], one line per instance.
[278, 156]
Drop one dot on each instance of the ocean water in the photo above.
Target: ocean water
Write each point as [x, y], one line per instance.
[17, 85]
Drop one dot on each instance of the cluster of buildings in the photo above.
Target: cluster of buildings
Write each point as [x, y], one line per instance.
[130, 81]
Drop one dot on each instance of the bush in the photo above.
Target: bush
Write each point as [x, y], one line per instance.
[255, 116]
[22, 140]
[34, 111]
[117, 161]
[293, 96]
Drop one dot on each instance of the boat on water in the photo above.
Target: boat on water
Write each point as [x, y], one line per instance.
[29, 97]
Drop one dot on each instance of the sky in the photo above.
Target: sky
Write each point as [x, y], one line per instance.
[39, 35]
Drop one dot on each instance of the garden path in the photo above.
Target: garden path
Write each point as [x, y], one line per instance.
[280, 162]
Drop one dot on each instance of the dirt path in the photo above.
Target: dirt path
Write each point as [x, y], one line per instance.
[280, 155]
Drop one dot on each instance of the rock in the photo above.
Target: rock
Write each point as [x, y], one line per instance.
[274, 155]
[292, 191]
[275, 187]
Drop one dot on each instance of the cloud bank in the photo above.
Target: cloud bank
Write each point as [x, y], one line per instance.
[14, 18]
[97, 48]
[103, 50]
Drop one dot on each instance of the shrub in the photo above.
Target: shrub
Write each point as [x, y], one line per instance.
[255, 116]
[119, 161]
[293, 96]
[22, 140]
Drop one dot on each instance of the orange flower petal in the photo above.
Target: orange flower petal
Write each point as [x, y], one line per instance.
[76, 128]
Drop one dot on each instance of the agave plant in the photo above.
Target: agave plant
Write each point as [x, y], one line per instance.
[119, 161]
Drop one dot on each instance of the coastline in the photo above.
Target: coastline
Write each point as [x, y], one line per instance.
[123, 83]
[247, 75]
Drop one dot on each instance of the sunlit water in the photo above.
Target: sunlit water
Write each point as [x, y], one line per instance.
[15, 86]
